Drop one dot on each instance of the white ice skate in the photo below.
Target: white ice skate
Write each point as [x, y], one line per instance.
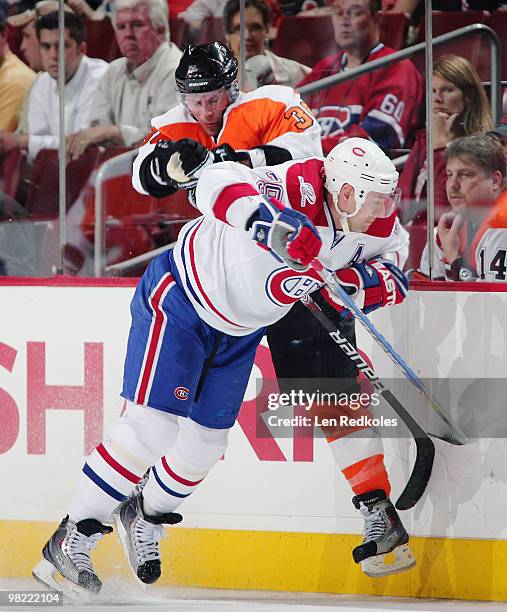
[383, 534]
[140, 535]
[66, 565]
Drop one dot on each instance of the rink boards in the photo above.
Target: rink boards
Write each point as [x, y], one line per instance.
[274, 514]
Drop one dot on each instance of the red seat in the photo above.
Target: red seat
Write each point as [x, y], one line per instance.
[497, 21]
[178, 29]
[14, 37]
[100, 39]
[468, 47]
[13, 170]
[43, 191]
[418, 236]
[211, 29]
[306, 39]
[394, 29]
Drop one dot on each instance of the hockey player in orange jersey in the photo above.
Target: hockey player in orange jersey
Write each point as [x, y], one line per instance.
[217, 122]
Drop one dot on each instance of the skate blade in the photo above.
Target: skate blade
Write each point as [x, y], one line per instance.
[379, 565]
[46, 574]
[122, 535]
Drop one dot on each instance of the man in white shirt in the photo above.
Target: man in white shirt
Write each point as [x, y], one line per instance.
[139, 85]
[81, 78]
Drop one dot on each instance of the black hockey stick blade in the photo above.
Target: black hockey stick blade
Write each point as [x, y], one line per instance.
[425, 448]
[425, 455]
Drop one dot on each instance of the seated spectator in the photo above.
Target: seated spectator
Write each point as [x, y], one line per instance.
[460, 108]
[262, 67]
[135, 87]
[26, 21]
[471, 238]
[82, 75]
[15, 80]
[381, 105]
[200, 10]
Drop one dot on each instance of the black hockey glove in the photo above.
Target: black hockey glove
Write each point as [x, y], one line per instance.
[153, 171]
[189, 158]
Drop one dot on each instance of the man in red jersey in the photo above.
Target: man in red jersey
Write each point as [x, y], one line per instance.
[381, 105]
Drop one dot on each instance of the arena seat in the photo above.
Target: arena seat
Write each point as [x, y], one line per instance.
[100, 39]
[394, 29]
[178, 29]
[306, 39]
[212, 28]
[418, 236]
[497, 21]
[469, 47]
[13, 170]
[43, 187]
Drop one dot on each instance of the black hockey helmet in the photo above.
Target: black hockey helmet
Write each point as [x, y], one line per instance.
[206, 68]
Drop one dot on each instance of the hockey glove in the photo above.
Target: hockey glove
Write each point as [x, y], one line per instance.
[153, 171]
[288, 234]
[371, 285]
[189, 159]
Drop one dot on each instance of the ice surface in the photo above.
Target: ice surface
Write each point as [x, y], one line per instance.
[122, 593]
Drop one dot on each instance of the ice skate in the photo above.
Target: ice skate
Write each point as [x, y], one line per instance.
[383, 533]
[66, 565]
[140, 535]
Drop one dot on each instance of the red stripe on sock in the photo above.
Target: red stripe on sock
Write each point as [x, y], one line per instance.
[179, 479]
[114, 464]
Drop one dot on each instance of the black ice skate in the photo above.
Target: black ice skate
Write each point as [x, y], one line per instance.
[383, 533]
[140, 534]
[66, 565]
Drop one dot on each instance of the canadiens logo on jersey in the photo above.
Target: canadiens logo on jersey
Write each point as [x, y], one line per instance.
[181, 393]
[284, 287]
[333, 120]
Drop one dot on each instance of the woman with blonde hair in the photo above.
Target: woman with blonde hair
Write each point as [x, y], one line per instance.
[460, 108]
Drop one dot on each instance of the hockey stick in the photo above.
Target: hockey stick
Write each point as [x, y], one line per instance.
[456, 435]
[425, 449]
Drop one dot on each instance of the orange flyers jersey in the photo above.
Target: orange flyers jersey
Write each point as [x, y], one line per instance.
[489, 247]
[272, 114]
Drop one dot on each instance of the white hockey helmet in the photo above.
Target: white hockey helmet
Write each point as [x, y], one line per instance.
[362, 164]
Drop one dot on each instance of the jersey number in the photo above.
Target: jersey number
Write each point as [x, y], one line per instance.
[497, 265]
[299, 117]
[391, 106]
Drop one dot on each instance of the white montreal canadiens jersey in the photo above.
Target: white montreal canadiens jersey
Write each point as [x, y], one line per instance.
[235, 285]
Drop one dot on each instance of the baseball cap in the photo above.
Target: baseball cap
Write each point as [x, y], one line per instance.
[44, 7]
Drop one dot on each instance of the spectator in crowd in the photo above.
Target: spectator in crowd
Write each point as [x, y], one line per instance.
[15, 80]
[460, 108]
[26, 21]
[82, 75]
[200, 10]
[471, 238]
[262, 67]
[381, 105]
[135, 87]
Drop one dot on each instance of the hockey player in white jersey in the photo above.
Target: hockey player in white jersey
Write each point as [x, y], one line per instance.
[198, 315]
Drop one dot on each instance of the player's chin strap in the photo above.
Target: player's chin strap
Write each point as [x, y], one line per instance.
[344, 216]
[455, 434]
